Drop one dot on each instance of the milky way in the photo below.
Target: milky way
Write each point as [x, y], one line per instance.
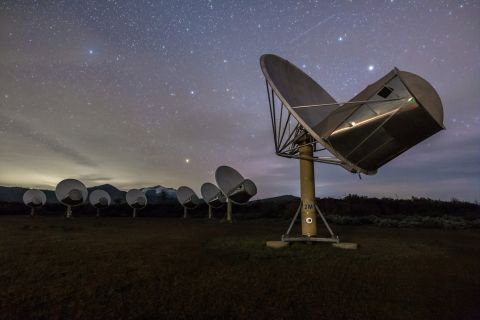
[141, 93]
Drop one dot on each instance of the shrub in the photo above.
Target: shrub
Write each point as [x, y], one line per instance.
[414, 221]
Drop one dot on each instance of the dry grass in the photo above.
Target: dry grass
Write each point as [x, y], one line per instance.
[150, 268]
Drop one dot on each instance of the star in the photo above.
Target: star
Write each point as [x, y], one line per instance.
[197, 62]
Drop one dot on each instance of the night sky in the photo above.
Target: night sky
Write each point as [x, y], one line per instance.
[143, 93]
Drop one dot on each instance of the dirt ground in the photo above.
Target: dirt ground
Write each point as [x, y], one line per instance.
[158, 268]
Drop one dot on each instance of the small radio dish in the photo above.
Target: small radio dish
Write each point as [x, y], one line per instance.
[100, 199]
[236, 188]
[137, 200]
[187, 198]
[34, 199]
[71, 193]
[384, 120]
[213, 196]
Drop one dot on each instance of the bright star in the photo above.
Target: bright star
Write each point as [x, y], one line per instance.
[90, 51]
[187, 160]
[340, 39]
[371, 67]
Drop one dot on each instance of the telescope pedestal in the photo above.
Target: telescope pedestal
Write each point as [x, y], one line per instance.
[229, 211]
[305, 238]
[69, 212]
[209, 212]
[308, 206]
[134, 215]
[185, 213]
[32, 211]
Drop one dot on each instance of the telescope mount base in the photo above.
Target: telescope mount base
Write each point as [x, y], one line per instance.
[308, 239]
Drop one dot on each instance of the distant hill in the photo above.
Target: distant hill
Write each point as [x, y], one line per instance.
[160, 195]
[162, 201]
[15, 195]
[118, 196]
[11, 194]
[155, 195]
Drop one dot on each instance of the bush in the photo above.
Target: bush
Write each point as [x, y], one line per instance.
[414, 221]
[476, 223]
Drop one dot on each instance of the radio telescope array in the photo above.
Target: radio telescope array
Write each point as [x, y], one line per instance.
[387, 118]
[187, 198]
[71, 193]
[100, 199]
[34, 199]
[236, 188]
[137, 200]
[213, 196]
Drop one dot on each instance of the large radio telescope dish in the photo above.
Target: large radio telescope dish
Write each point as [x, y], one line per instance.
[187, 198]
[137, 200]
[100, 199]
[71, 193]
[212, 195]
[34, 199]
[384, 120]
[295, 88]
[238, 189]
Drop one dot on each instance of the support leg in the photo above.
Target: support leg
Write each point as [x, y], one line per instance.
[325, 222]
[294, 218]
[184, 213]
[69, 212]
[209, 212]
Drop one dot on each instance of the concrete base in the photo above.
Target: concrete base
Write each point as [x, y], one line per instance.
[277, 244]
[346, 245]
[308, 239]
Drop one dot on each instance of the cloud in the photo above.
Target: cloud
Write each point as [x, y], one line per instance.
[23, 128]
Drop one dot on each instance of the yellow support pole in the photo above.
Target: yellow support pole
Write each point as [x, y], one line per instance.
[307, 191]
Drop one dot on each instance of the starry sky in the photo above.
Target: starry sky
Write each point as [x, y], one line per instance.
[142, 93]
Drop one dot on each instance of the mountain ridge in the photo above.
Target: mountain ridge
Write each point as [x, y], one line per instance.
[155, 195]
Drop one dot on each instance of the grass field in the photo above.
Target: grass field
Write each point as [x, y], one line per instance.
[155, 268]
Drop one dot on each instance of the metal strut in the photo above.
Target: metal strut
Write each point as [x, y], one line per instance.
[287, 143]
[297, 143]
[287, 238]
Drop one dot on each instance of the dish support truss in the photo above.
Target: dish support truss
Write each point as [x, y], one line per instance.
[289, 135]
[293, 141]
